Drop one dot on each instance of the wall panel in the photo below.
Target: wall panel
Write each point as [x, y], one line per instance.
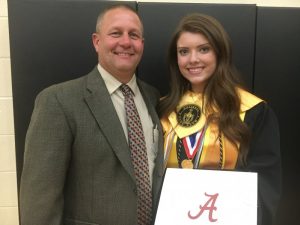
[51, 42]
[160, 20]
[277, 79]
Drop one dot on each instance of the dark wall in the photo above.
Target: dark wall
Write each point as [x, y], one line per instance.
[51, 42]
[160, 20]
[277, 79]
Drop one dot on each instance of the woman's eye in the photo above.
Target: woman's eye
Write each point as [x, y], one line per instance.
[204, 49]
[183, 52]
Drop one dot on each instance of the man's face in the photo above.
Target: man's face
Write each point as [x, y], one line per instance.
[119, 43]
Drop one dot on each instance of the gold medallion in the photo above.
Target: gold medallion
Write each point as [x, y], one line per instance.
[187, 164]
[188, 115]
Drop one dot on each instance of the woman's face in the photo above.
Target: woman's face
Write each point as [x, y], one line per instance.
[196, 59]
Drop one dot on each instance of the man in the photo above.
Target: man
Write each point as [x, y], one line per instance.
[78, 167]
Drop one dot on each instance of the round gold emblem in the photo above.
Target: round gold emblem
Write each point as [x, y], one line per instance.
[188, 115]
[187, 164]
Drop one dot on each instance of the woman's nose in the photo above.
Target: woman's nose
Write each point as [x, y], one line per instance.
[194, 57]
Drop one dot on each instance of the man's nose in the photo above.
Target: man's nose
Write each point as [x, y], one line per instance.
[125, 40]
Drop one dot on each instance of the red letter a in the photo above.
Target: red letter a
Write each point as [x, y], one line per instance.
[208, 207]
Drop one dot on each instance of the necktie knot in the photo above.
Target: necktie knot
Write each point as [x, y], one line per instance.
[126, 90]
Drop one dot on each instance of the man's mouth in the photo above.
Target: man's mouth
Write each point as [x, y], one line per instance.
[124, 54]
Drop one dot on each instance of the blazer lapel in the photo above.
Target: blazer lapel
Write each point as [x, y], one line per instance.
[151, 104]
[158, 172]
[100, 104]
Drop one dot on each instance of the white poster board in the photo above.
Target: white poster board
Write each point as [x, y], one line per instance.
[208, 197]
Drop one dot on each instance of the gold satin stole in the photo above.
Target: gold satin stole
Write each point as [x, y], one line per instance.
[210, 156]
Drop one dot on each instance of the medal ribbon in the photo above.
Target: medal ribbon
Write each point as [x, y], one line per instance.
[190, 148]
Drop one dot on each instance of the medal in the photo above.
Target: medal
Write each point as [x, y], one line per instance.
[187, 164]
[189, 149]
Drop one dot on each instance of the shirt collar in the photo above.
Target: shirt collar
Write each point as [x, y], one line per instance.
[113, 84]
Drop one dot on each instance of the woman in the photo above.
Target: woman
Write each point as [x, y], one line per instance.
[209, 120]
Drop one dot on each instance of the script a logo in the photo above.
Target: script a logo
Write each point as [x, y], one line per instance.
[209, 205]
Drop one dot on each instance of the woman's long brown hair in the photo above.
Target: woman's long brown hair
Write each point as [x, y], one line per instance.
[222, 102]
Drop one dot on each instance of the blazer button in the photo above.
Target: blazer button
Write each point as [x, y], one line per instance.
[135, 190]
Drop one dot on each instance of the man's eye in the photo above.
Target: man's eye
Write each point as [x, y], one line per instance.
[134, 36]
[115, 34]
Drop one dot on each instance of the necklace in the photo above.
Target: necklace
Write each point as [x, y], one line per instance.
[221, 163]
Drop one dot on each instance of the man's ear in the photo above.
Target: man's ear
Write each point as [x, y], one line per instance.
[96, 41]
